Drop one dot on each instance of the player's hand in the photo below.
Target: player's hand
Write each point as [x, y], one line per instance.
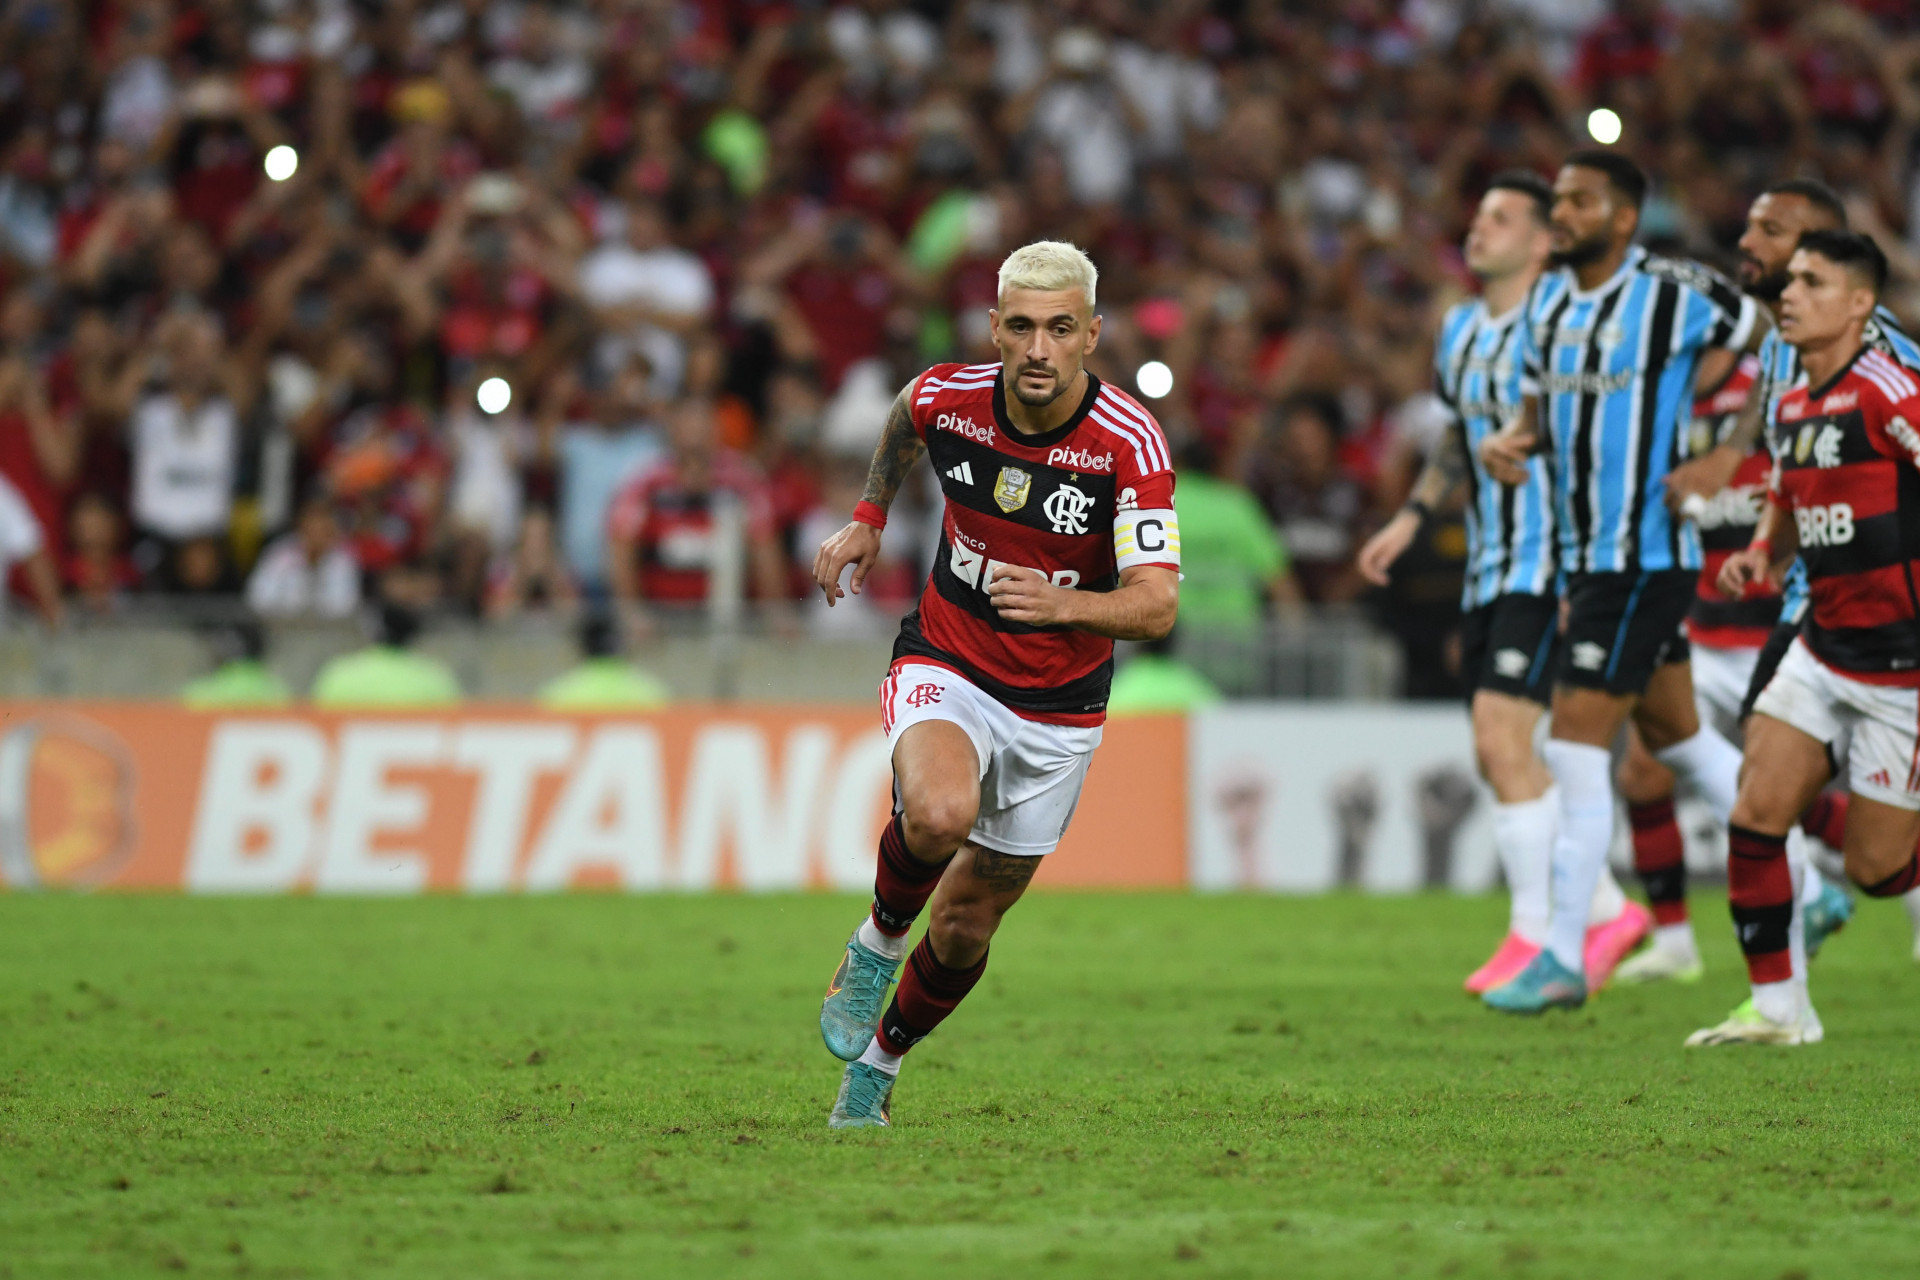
[1387, 546]
[1025, 595]
[1505, 455]
[857, 545]
[1703, 477]
[1741, 569]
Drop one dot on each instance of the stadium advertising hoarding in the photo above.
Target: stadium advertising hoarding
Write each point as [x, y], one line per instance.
[154, 797]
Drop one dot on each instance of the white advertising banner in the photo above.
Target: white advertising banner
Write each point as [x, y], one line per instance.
[1302, 798]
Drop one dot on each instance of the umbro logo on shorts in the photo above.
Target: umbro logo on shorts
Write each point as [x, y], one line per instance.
[963, 473]
[1589, 656]
[1511, 663]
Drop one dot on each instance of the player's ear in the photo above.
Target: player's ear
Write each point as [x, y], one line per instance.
[1093, 335]
[993, 324]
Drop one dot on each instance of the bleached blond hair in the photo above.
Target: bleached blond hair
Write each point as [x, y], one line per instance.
[1049, 266]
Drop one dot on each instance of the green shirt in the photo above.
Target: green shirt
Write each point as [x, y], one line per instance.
[383, 676]
[604, 684]
[1229, 552]
[240, 683]
[1150, 683]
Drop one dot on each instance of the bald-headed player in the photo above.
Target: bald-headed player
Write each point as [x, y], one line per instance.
[1059, 538]
[1727, 637]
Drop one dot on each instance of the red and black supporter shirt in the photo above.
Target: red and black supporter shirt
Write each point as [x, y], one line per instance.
[1727, 525]
[1847, 467]
[1078, 503]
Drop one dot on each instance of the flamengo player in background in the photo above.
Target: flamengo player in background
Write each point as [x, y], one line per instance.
[1059, 538]
[1614, 342]
[1846, 496]
[1510, 602]
[1727, 637]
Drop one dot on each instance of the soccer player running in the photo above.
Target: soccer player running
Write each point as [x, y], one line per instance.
[1845, 495]
[1059, 538]
[1728, 637]
[1614, 341]
[1511, 602]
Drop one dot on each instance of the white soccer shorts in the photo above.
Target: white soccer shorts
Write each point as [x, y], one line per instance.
[1720, 680]
[1030, 773]
[1875, 728]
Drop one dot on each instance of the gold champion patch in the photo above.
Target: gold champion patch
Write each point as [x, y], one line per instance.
[1011, 490]
[1804, 445]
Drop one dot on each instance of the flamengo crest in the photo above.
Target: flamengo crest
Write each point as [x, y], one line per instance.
[1066, 509]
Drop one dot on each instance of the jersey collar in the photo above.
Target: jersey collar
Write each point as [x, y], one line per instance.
[1635, 256]
[1820, 392]
[1046, 438]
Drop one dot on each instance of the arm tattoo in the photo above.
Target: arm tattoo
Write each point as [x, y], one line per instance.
[1445, 471]
[1002, 871]
[899, 448]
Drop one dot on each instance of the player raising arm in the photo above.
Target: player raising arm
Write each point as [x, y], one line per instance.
[1845, 493]
[1059, 538]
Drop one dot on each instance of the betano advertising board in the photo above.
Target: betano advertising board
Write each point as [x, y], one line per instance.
[126, 796]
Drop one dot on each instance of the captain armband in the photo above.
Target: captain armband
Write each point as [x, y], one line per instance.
[1146, 537]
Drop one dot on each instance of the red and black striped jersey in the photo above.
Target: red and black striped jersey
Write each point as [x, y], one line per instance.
[1847, 467]
[1727, 525]
[1078, 504]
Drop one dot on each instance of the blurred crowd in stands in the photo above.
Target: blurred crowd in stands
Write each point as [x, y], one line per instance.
[476, 304]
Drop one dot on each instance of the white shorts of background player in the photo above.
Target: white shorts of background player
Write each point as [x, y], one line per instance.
[1030, 773]
[1720, 680]
[1872, 727]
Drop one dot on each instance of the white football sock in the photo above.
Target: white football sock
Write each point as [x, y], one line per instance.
[1675, 937]
[1711, 764]
[872, 939]
[1523, 837]
[1609, 899]
[1580, 852]
[1806, 876]
[1912, 898]
[875, 1056]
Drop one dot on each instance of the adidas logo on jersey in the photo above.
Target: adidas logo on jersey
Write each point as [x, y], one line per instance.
[963, 473]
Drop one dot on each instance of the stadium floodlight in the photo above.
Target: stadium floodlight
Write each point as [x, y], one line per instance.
[494, 395]
[1154, 379]
[1603, 124]
[282, 163]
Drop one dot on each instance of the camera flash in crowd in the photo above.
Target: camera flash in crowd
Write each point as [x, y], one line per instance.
[494, 395]
[282, 162]
[1154, 379]
[1604, 126]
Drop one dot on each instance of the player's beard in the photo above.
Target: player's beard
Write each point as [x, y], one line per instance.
[1766, 286]
[1021, 394]
[1581, 252]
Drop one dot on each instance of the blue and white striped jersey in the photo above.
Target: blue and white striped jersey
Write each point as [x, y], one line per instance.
[1780, 372]
[1614, 369]
[1476, 375]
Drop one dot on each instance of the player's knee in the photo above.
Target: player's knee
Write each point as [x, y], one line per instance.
[1643, 779]
[939, 822]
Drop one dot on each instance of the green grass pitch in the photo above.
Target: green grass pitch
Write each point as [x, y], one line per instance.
[1143, 1085]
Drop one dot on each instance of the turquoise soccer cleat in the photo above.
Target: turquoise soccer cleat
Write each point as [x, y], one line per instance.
[855, 1000]
[865, 1101]
[1827, 915]
[1544, 984]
